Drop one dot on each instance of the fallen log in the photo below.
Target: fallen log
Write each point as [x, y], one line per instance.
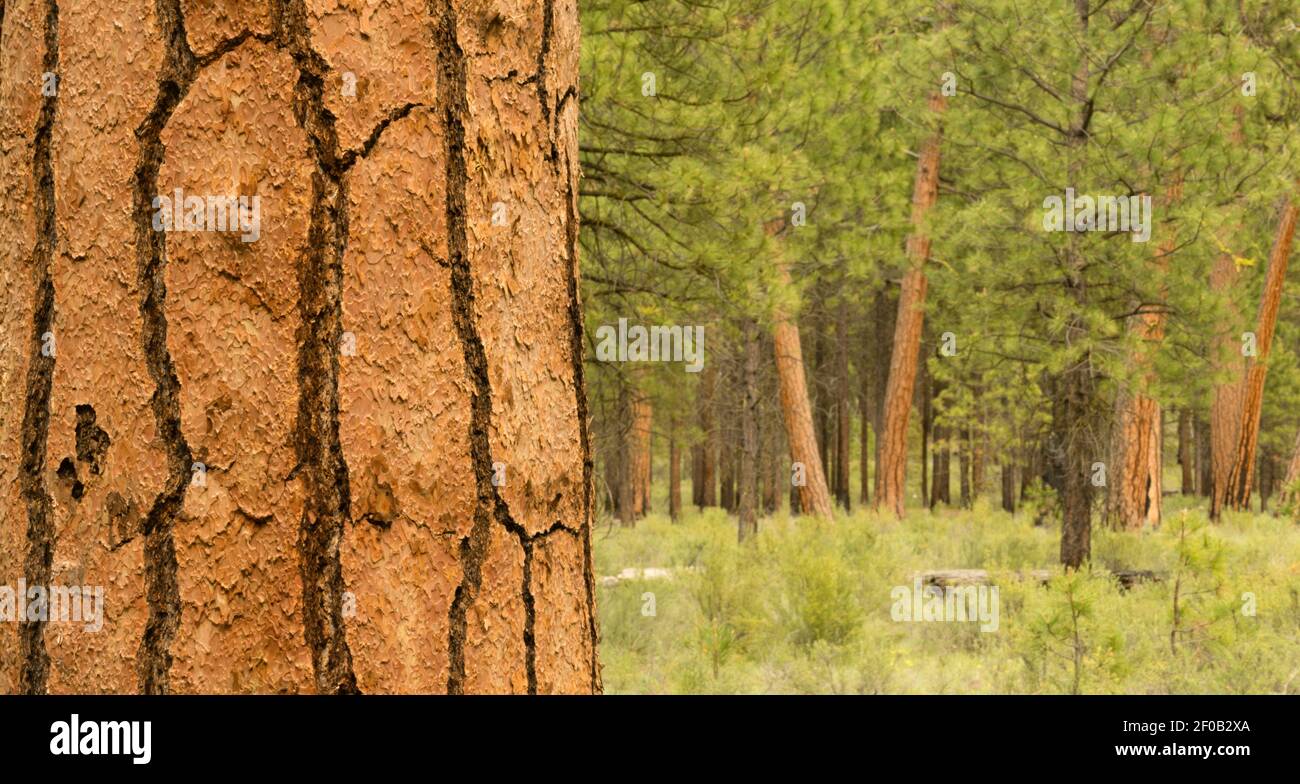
[942, 578]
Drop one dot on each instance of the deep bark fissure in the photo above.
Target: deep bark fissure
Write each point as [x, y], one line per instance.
[454, 106]
[39, 560]
[580, 398]
[320, 461]
[179, 68]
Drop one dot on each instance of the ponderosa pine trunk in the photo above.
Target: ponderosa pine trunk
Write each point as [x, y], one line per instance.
[639, 454]
[1135, 493]
[1008, 471]
[708, 471]
[1186, 458]
[747, 504]
[1291, 482]
[1204, 457]
[843, 409]
[303, 463]
[1074, 388]
[674, 472]
[864, 446]
[1229, 391]
[814, 497]
[1241, 478]
[891, 474]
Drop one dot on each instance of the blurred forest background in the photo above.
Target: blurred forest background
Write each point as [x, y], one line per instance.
[905, 372]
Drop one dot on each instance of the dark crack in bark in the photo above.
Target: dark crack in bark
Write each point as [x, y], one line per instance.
[576, 342]
[38, 565]
[321, 464]
[453, 106]
[177, 72]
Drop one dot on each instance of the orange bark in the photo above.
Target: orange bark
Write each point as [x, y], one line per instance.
[891, 473]
[1243, 467]
[796, 410]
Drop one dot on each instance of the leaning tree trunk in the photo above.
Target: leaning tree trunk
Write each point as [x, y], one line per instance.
[891, 473]
[1241, 478]
[350, 455]
[813, 495]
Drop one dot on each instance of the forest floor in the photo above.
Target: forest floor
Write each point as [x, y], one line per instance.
[808, 607]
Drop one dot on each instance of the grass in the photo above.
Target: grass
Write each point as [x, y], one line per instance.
[805, 607]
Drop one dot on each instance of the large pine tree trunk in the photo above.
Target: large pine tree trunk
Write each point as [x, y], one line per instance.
[1135, 497]
[1225, 409]
[892, 472]
[814, 497]
[1241, 478]
[325, 460]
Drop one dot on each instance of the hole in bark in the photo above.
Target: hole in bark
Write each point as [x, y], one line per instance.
[92, 440]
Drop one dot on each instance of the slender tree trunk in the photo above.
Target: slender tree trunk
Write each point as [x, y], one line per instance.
[709, 465]
[884, 313]
[1291, 483]
[674, 472]
[748, 504]
[941, 482]
[1204, 457]
[1186, 460]
[775, 480]
[1009, 487]
[814, 497]
[964, 460]
[1242, 475]
[892, 473]
[843, 407]
[927, 422]
[697, 480]
[639, 450]
[1265, 478]
[864, 446]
